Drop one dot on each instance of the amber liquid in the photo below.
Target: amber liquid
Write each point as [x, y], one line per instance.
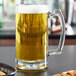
[31, 37]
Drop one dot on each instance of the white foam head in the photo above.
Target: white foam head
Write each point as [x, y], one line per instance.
[31, 9]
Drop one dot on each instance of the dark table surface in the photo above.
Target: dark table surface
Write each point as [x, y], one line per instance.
[9, 33]
[56, 63]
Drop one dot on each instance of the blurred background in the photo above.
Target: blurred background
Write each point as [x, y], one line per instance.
[68, 7]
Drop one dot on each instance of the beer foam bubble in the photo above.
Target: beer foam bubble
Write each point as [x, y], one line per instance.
[31, 9]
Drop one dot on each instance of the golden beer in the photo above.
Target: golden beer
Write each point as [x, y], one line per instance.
[31, 36]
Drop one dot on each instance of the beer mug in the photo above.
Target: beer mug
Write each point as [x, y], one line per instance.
[32, 34]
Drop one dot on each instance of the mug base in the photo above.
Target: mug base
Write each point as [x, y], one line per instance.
[31, 66]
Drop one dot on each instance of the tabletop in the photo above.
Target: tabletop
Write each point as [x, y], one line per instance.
[56, 63]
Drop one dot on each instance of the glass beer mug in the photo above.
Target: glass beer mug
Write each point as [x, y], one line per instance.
[32, 34]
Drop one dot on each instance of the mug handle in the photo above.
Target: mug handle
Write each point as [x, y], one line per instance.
[62, 37]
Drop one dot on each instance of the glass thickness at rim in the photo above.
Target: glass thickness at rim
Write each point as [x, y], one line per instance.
[32, 2]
